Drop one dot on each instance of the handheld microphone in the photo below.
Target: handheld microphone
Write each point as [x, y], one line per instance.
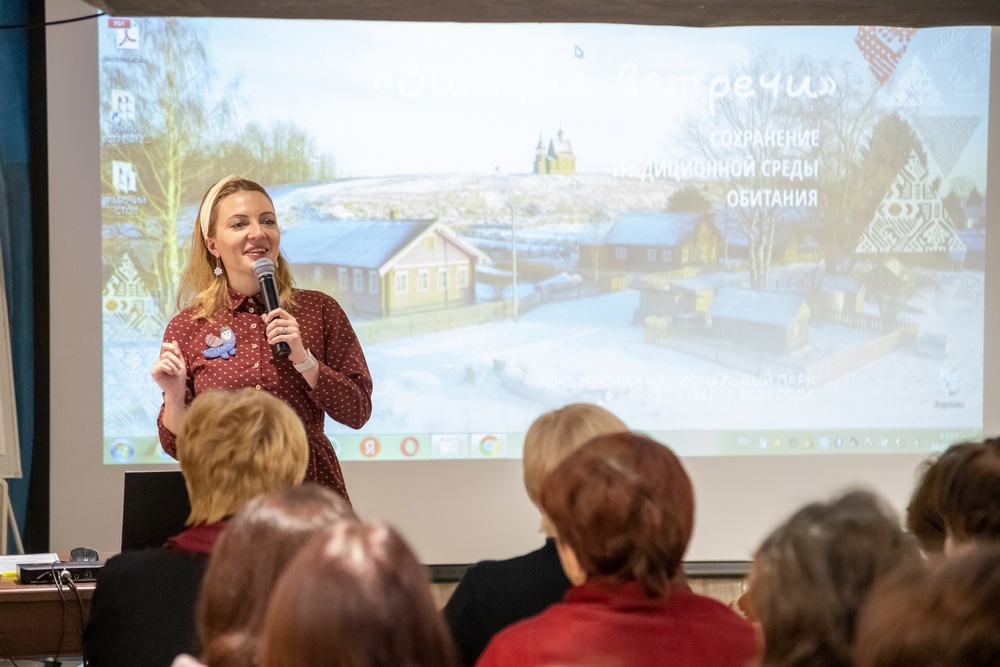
[263, 268]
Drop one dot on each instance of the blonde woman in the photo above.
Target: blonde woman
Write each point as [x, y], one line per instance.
[495, 594]
[223, 337]
[232, 448]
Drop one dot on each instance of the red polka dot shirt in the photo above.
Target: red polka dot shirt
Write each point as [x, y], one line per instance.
[343, 390]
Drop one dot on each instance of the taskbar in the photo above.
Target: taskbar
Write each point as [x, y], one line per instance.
[502, 445]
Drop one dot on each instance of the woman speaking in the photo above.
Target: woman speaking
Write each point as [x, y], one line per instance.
[223, 336]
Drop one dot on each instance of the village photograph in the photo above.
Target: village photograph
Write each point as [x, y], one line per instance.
[756, 239]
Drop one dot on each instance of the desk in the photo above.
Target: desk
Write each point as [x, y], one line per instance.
[32, 617]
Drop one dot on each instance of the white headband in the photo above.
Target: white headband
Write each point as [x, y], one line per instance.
[206, 205]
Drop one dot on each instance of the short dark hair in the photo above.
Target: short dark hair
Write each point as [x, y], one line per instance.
[356, 596]
[812, 574]
[625, 505]
[971, 500]
[923, 515]
[924, 618]
[247, 560]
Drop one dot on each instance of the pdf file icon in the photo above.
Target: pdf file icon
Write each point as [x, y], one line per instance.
[120, 23]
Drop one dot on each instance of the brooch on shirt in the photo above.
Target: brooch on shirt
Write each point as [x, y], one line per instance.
[224, 347]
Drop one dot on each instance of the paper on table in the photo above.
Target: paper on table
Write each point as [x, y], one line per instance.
[8, 564]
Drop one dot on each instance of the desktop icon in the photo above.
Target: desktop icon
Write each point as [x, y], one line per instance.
[370, 447]
[409, 446]
[489, 446]
[948, 380]
[449, 446]
[122, 106]
[123, 176]
[122, 451]
[126, 33]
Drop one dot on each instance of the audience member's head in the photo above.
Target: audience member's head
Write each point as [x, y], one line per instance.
[623, 510]
[248, 558]
[557, 434]
[812, 574]
[355, 597]
[923, 515]
[971, 500]
[941, 618]
[234, 446]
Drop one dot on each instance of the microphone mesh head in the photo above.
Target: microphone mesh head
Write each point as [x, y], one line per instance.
[263, 267]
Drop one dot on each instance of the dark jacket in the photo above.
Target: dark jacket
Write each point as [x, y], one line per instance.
[496, 593]
[142, 612]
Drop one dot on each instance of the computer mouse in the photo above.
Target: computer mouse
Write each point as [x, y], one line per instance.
[83, 555]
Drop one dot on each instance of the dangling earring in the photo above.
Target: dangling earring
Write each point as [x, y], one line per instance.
[218, 267]
[275, 263]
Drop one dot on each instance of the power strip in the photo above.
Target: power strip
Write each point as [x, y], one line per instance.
[47, 573]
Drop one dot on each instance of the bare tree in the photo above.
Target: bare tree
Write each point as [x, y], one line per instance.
[845, 124]
[748, 116]
[178, 114]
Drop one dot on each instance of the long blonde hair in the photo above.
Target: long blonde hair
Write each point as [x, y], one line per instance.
[200, 288]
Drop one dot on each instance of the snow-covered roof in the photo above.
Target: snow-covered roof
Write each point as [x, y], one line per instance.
[709, 281]
[362, 243]
[653, 229]
[370, 244]
[748, 305]
[560, 146]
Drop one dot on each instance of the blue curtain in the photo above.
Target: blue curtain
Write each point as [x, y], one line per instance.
[16, 225]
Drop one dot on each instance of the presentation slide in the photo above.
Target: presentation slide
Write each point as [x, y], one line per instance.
[743, 241]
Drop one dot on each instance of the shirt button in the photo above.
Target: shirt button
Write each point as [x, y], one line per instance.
[258, 387]
[257, 365]
[253, 346]
[253, 326]
[251, 310]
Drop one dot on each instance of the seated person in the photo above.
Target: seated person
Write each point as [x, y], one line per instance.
[623, 510]
[355, 596]
[495, 594]
[970, 503]
[935, 618]
[248, 558]
[813, 573]
[923, 514]
[232, 447]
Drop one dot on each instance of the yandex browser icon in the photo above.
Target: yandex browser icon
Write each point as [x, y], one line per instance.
[370, 447]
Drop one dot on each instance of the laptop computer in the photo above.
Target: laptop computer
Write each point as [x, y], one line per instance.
[154, 508]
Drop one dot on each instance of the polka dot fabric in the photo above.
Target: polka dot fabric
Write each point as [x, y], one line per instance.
[343, 390]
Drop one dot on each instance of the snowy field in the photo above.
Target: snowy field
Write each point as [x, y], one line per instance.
[500, 376]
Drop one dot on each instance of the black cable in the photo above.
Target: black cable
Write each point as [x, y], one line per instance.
[62, 619]
[6, 649]
[31, 26]
[79, 599]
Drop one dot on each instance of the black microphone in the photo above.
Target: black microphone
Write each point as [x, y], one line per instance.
[263, 268]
